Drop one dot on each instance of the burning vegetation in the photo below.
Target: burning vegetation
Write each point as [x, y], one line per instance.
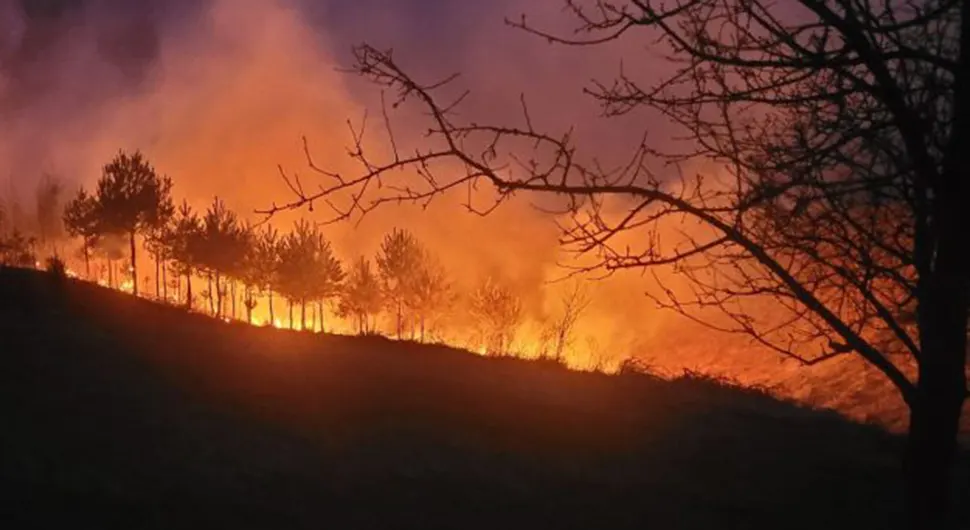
[216, 262]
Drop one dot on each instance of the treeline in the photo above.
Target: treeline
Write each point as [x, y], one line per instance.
[215, 262]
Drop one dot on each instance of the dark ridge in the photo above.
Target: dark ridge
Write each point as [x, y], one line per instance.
[122, 413]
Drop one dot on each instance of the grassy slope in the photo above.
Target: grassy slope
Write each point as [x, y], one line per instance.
[121, 413]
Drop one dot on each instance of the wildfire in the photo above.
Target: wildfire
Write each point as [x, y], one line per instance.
[277, 323]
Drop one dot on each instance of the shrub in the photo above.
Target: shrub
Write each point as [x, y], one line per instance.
[56, 267]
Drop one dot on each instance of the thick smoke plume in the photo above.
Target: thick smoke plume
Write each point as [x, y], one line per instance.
[219, 93]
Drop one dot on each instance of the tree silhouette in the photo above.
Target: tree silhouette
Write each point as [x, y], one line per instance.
[156, 234]
[398, 261]
[186, 245]
[326, 282]
[498, 313]
[81, 221]
[250, 270]
[430, 292]
[361, 297]
[237, 262]
[294, 268]
[49, 195]
[222, 251]
[267, 265]
[132, 199]
[308, 270]
[560, 331]
[841, 129]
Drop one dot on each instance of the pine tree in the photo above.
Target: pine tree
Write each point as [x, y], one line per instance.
[132, 199]
[81, 221]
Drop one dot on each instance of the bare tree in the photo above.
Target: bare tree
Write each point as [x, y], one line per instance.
[498, 314]
[842, 128]
[560, 331]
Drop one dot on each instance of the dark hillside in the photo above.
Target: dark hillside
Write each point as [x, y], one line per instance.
[121, 413]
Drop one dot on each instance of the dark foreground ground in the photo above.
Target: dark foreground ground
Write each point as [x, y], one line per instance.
[119, 413]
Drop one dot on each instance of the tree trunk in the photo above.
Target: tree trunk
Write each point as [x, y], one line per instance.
[248, 296]
[164, 282]
[290, 304]
[932, 442]
[212, 300]
[303, 314]
[134, 263]
[320, 315]
[188, 290]
[158, 276]
[218, 295]
[937, 402]
[942, 313]
[233, 294]
[930, 452]
[272, 315]
[87, 261]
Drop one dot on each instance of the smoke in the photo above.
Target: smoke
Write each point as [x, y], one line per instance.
[219, 93]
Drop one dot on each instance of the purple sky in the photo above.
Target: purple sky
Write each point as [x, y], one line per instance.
[36, 33]
[66, 64]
